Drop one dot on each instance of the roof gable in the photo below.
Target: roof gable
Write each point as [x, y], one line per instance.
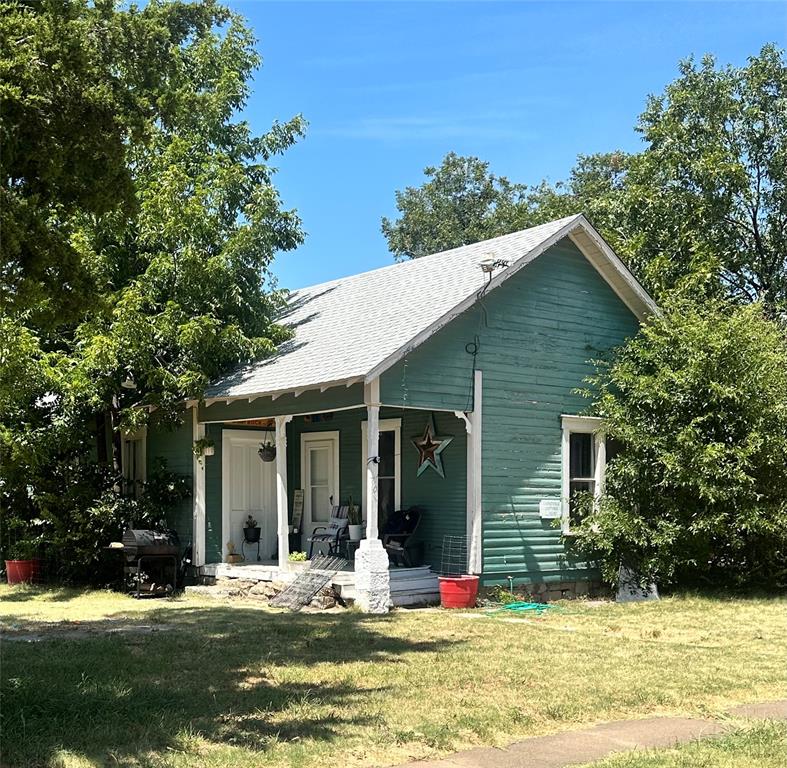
[354, 328]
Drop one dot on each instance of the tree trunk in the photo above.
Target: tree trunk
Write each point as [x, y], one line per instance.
[101, 438]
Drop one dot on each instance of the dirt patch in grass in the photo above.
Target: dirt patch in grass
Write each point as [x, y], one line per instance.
[33, 632]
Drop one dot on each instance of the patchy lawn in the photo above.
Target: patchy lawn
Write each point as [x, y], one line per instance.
[763, 745]
[194, 682]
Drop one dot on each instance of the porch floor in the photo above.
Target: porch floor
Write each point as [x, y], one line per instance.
[409, 586]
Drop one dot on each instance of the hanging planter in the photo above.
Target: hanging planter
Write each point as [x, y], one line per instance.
[267, 449]
[203, 447]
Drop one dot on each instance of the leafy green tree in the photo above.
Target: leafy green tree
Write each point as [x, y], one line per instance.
[709, 194]
[79, 82]
[153, 266]
[462, 202]
[699, 493]
[703, 206]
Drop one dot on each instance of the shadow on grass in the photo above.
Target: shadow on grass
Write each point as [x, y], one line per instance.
[22, 593]
[233, 676]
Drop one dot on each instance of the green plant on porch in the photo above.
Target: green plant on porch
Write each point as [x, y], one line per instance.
[250, 522]
[354, 516]
[267, 449]
[297, 557]
[199, 447]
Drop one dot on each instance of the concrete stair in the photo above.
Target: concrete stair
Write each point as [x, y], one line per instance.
[409, 586]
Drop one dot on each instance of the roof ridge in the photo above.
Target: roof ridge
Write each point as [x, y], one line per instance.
[419, 260]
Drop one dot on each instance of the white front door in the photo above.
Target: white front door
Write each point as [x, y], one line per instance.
[248, 488]
[319, 477]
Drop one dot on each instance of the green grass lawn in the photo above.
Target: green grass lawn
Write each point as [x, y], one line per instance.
[221, 684]
[762, 745]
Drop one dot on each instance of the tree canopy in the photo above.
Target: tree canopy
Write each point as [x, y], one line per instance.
[703, 203]
[699, 494]
[140, 219]
[462, 202]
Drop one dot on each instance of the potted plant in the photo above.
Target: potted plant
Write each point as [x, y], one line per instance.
[233, 556]
[354, 521]
[251, 531]
[21, 563]
[297, 561]
[267, 449]
[203, 447]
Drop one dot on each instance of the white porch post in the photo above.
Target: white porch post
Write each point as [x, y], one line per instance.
[198, 470]
[372, 469]
[474, 473]
[372, 584]
[282, 515]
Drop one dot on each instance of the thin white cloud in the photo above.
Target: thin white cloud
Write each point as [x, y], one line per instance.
[489, 126]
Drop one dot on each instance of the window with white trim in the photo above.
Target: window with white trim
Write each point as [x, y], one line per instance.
[584, 463]
[389, 475]
[133, 459]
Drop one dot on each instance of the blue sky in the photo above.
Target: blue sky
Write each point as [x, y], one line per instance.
[389, 88]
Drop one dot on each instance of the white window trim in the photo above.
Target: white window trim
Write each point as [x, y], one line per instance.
[140, 435]
[386, 425]
[587, 425]
[318, 437]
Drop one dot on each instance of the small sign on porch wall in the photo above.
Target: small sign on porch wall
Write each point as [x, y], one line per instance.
[550, 509]
[297, 509]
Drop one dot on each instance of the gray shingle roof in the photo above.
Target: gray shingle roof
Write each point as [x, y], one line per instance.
[347, 327]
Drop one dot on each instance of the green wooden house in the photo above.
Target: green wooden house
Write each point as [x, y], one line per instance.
[479, 350]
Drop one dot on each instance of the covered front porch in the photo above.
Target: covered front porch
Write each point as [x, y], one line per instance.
[335, 445]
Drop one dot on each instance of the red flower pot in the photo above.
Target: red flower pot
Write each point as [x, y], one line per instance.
[20, 571]
[458, 591]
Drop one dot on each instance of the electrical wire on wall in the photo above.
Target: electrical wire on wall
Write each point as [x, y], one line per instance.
[473, 347]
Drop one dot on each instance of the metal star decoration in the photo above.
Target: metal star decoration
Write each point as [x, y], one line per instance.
[430, 446]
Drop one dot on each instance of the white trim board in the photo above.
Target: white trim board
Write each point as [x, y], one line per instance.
[198, 505]
[475, 466]
[386, 425]
[592, 425]
[315, 437]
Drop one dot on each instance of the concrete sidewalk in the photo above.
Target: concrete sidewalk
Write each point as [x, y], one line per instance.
[576, 747]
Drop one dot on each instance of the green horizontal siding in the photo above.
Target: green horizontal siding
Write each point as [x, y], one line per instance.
[443, 499]
[174, 447]
[540, 331]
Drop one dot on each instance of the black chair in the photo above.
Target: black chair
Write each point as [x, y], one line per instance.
[397, 533]
[330, 534]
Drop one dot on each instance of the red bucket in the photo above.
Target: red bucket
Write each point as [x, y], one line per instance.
[458, 591]
[20, 571]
